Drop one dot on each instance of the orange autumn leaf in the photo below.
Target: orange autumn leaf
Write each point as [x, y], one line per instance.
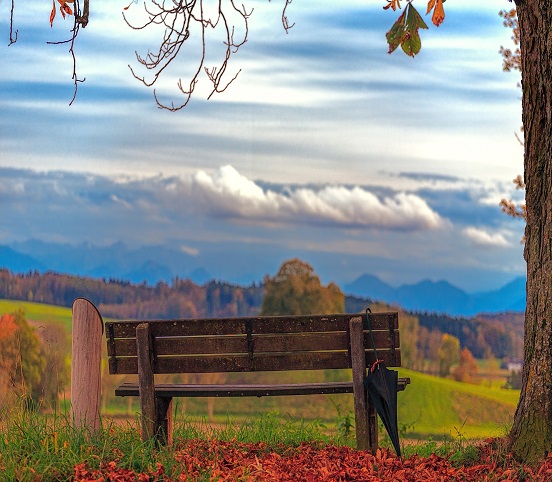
[7, 326]
[438, 11]
[393, 4]
[52, 13]
[231, 460]
[63, 8]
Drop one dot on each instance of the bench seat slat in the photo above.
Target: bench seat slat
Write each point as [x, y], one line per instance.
[254, 390]
[275, 324]
[261, 343]
[258, 363]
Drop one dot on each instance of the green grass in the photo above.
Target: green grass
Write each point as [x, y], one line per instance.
[34, 444]
[429, 408]
[39, 312]
[438, 407]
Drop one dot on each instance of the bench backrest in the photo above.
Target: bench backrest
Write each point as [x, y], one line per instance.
[276, 343]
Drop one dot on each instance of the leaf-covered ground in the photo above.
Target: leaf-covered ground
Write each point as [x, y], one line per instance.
[225, 461]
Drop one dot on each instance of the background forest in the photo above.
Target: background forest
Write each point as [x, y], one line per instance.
[34, 356]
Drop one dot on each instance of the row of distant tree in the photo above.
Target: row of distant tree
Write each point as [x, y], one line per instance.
[430, 343]
[486, 335]
[121, 299]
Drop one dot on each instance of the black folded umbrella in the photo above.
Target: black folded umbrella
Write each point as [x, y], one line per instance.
[381, 384]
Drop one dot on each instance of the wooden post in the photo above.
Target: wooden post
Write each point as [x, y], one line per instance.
[146, 382]
[86, 365]
[372, 426]
[358, 363]
[164, 420]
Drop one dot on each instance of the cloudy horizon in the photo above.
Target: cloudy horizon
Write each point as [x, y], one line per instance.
[371, 225]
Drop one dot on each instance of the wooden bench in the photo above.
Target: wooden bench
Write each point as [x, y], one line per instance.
[255, 344]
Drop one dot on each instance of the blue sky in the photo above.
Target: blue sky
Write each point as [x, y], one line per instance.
[325, 147]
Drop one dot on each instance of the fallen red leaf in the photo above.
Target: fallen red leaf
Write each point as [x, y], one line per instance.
[227, 461]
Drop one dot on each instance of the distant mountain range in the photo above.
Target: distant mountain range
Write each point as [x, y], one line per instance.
[158, 263]
[150, 264]
[441, 296]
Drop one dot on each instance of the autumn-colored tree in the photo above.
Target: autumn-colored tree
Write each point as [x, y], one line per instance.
[449, 354]
[466, 371]
[8, 356]
[429, 342]
[296, 290]
[56, 350]
[21, 361]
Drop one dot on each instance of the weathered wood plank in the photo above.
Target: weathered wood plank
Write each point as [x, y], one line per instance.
[257, 325]
[86, 365]
[238, 343]
[164, 419]
[129, 389]
[145, 381]
[359, 392]
[259, 362]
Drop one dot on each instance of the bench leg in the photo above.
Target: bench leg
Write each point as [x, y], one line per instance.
[372, 427]
[164, 421]
[146, 382]
[361, 402]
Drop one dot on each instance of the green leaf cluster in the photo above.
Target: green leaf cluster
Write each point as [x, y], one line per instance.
[404, 32]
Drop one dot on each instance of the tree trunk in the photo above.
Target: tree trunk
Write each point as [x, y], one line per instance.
[531, 434]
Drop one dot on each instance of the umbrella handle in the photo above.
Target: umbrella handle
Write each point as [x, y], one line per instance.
[368, 310]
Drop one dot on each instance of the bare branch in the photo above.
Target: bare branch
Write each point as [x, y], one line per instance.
[83, 19]
[71, 41]
[517, 211]
[285, 21]
[13, 38]
[512, 209]
[511, 59]
[519, 182]
[183, 20]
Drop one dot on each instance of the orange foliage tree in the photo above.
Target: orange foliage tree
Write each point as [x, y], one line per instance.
[466, 371]
[21, 362]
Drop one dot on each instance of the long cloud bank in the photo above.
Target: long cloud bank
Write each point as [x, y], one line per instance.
[225, 194]
[228, 194]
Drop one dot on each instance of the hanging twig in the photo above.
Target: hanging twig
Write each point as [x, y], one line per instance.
[180, 20]
[285, 21]
[79, 20]
[13, 38]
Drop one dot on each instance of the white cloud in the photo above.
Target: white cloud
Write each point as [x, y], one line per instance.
[189, 250]
[482, 237]
[228, 194]
[117, 199]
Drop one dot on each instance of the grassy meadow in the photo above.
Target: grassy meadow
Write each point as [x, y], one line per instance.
[429, 408]
[38, 312]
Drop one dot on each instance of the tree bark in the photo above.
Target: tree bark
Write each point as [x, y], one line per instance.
[531, 434]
